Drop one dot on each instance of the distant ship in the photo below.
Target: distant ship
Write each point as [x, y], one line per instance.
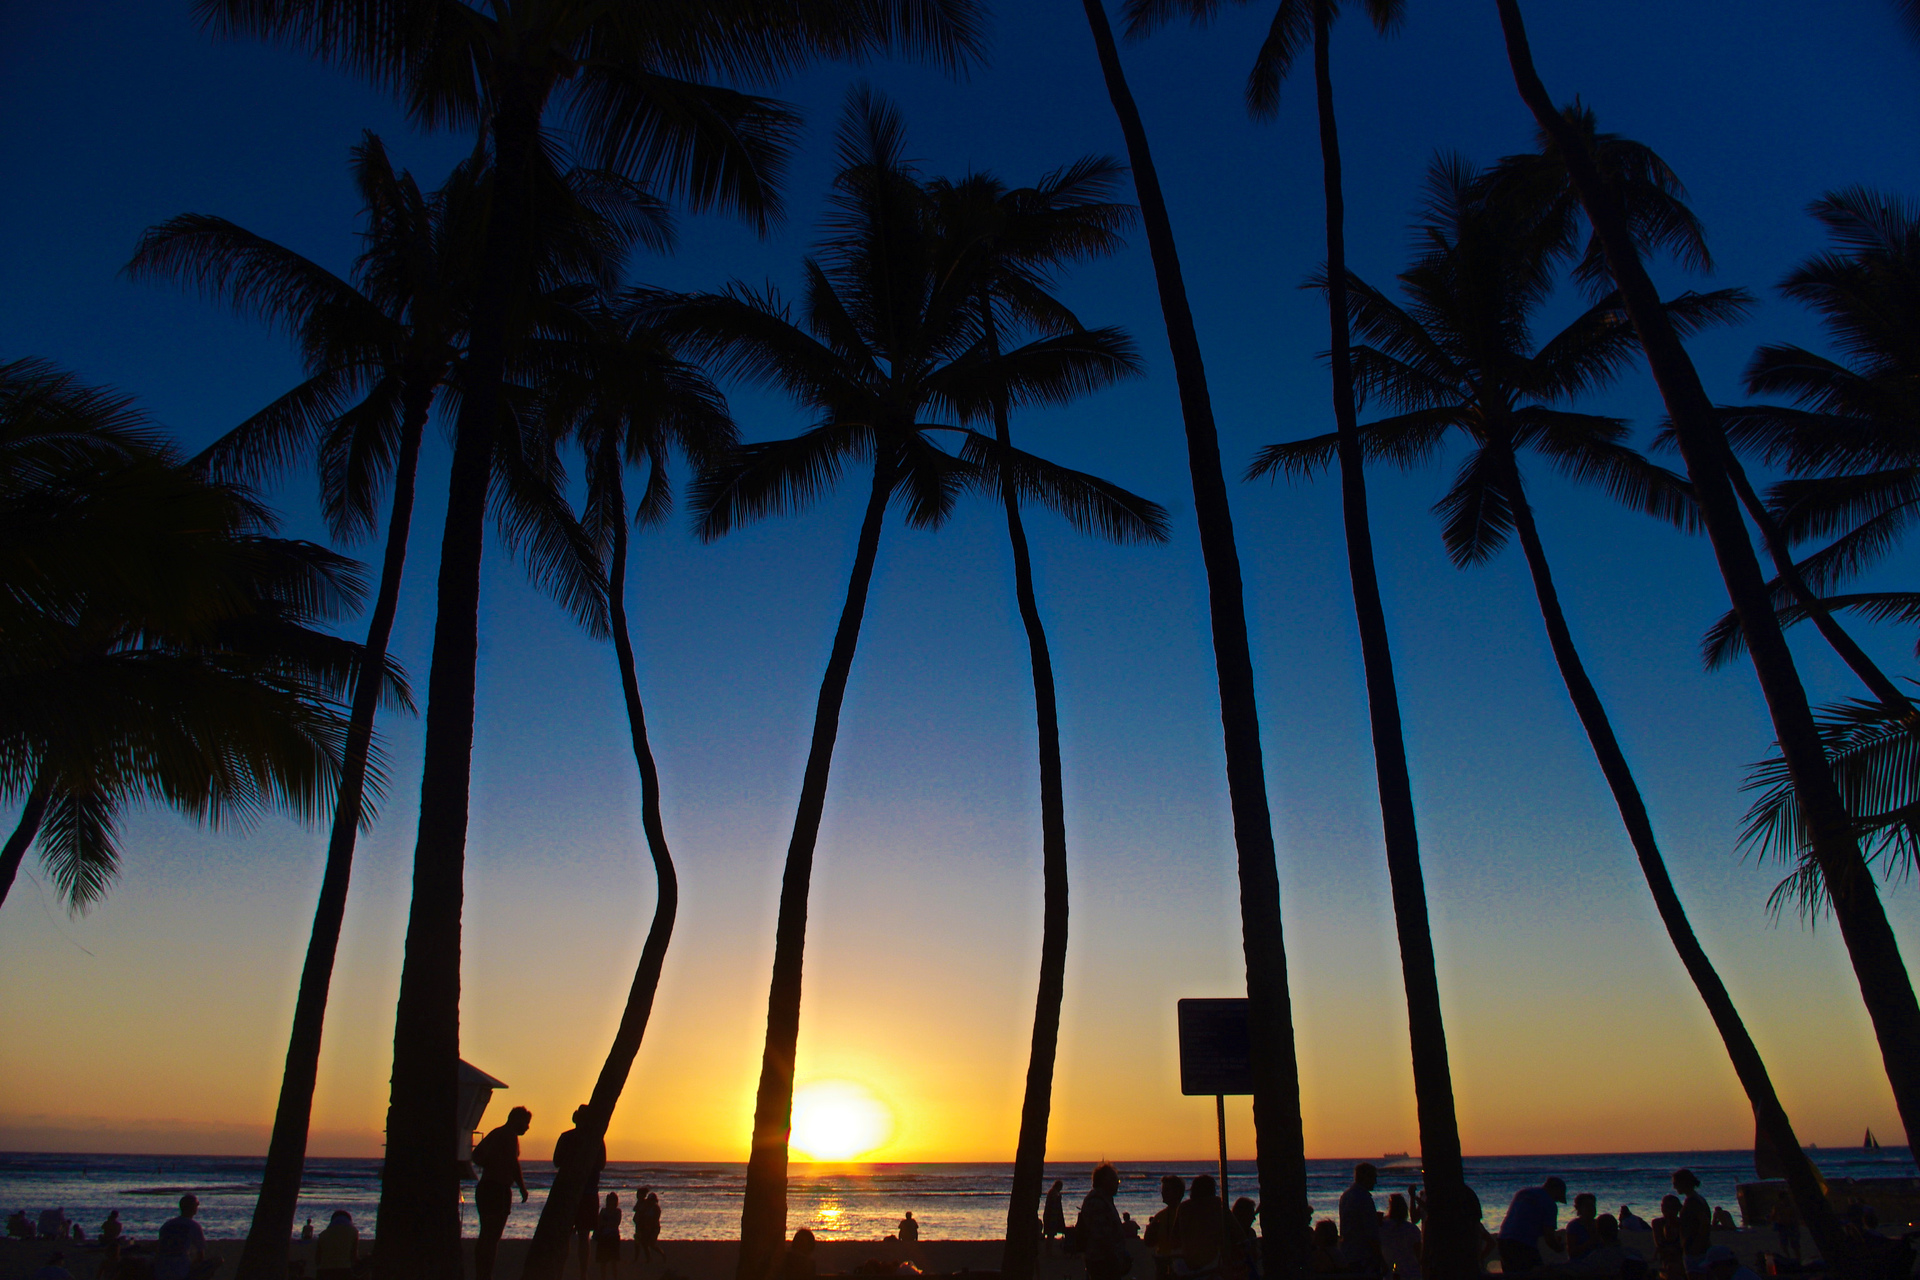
[1401, 1155]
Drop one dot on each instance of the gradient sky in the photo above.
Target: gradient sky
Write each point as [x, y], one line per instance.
[158, 1022]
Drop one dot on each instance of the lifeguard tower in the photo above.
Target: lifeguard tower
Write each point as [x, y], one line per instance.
[476, 1090]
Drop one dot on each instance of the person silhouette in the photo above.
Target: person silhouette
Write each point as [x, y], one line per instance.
[337, 1249]
[1360, 1222]
[606, 1237]
[498, 1156]
[306, 1232]
[580, 1146]
[796, 1261]
[1159, 1233]
[909, 1229]
[646, 1225]
[180, 1247]
[1053, 1219]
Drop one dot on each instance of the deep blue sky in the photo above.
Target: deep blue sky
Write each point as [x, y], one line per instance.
[926, 914]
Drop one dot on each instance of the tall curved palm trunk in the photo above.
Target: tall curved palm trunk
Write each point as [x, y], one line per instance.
[418, 1235]
[270, 1236]
[763, 1215]
[1452, 1248]
[1877, 964]
[1280, 1144]
[1803, 1184]
[1020, 1250]
[547, 1256]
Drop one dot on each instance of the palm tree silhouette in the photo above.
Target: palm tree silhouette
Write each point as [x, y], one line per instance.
[1850, 437]
[1460, 357]
[1849, 441]
[1451, 1240]
[632, 80]
[1881, 972]
[1014, 242]
[890, 333]
[1279, 1139]
[629, 401]
[377, 358]
[161, 647]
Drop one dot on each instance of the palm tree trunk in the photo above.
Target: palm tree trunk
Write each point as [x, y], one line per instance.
[1877, 964]
[22, 838]
[270, 1236]
[1877, 681]
[419, 1226]
[1803, 1184]
[1280, 1146]
[1452, 1246]
[547, 1256]
[1020, 1250]
[763, 1215]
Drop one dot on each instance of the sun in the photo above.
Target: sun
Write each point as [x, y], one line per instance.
[839, 1120]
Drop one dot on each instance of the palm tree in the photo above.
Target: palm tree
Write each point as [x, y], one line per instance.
[630, 401]
[1459, 356]
[1849, 441]
[1015, 241]
[1280, 1141]
[1882, 974]
[1851, 437]
[160, 645]
[377, 357]
[632, 78]
[1451, 1241]
[889, 334]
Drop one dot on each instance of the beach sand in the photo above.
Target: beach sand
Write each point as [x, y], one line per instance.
[714, 1259]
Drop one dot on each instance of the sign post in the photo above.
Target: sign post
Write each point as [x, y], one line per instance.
[1216, 1057]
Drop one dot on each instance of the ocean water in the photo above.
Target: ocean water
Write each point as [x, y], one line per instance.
[844, 1202]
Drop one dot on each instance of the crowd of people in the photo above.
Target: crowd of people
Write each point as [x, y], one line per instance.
[1196, 1237]
[596, 1222]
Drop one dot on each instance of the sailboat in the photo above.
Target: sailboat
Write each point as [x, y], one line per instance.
[1870, 1142]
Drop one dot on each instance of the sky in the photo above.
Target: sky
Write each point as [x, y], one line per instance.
[158, 1021]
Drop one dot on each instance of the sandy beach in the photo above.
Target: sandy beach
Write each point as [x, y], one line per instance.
[713, 1259]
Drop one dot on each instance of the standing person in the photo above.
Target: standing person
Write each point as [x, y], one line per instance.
[1202, 1238]
[1399, 1241]
[1531, 1218]
[1159, 1233]
[1786, 1225]
[1101, 1239]
[909, 1230]
[1669, 1241]
[1579, 1232]
[579, 1146]
[337, 1249]
[606, 1237]
[1053, 1219]
[498, 1157]
[1360, 1223]
[1696, 1219]
[110, 1229]
[646, 1225]
[180, 1247]
[306, 1232]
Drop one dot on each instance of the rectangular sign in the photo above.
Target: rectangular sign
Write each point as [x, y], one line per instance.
[1216, 1050]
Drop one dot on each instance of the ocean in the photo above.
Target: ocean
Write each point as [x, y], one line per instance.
[843, 1202]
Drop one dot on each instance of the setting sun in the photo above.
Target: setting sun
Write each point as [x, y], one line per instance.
[839, 1120]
